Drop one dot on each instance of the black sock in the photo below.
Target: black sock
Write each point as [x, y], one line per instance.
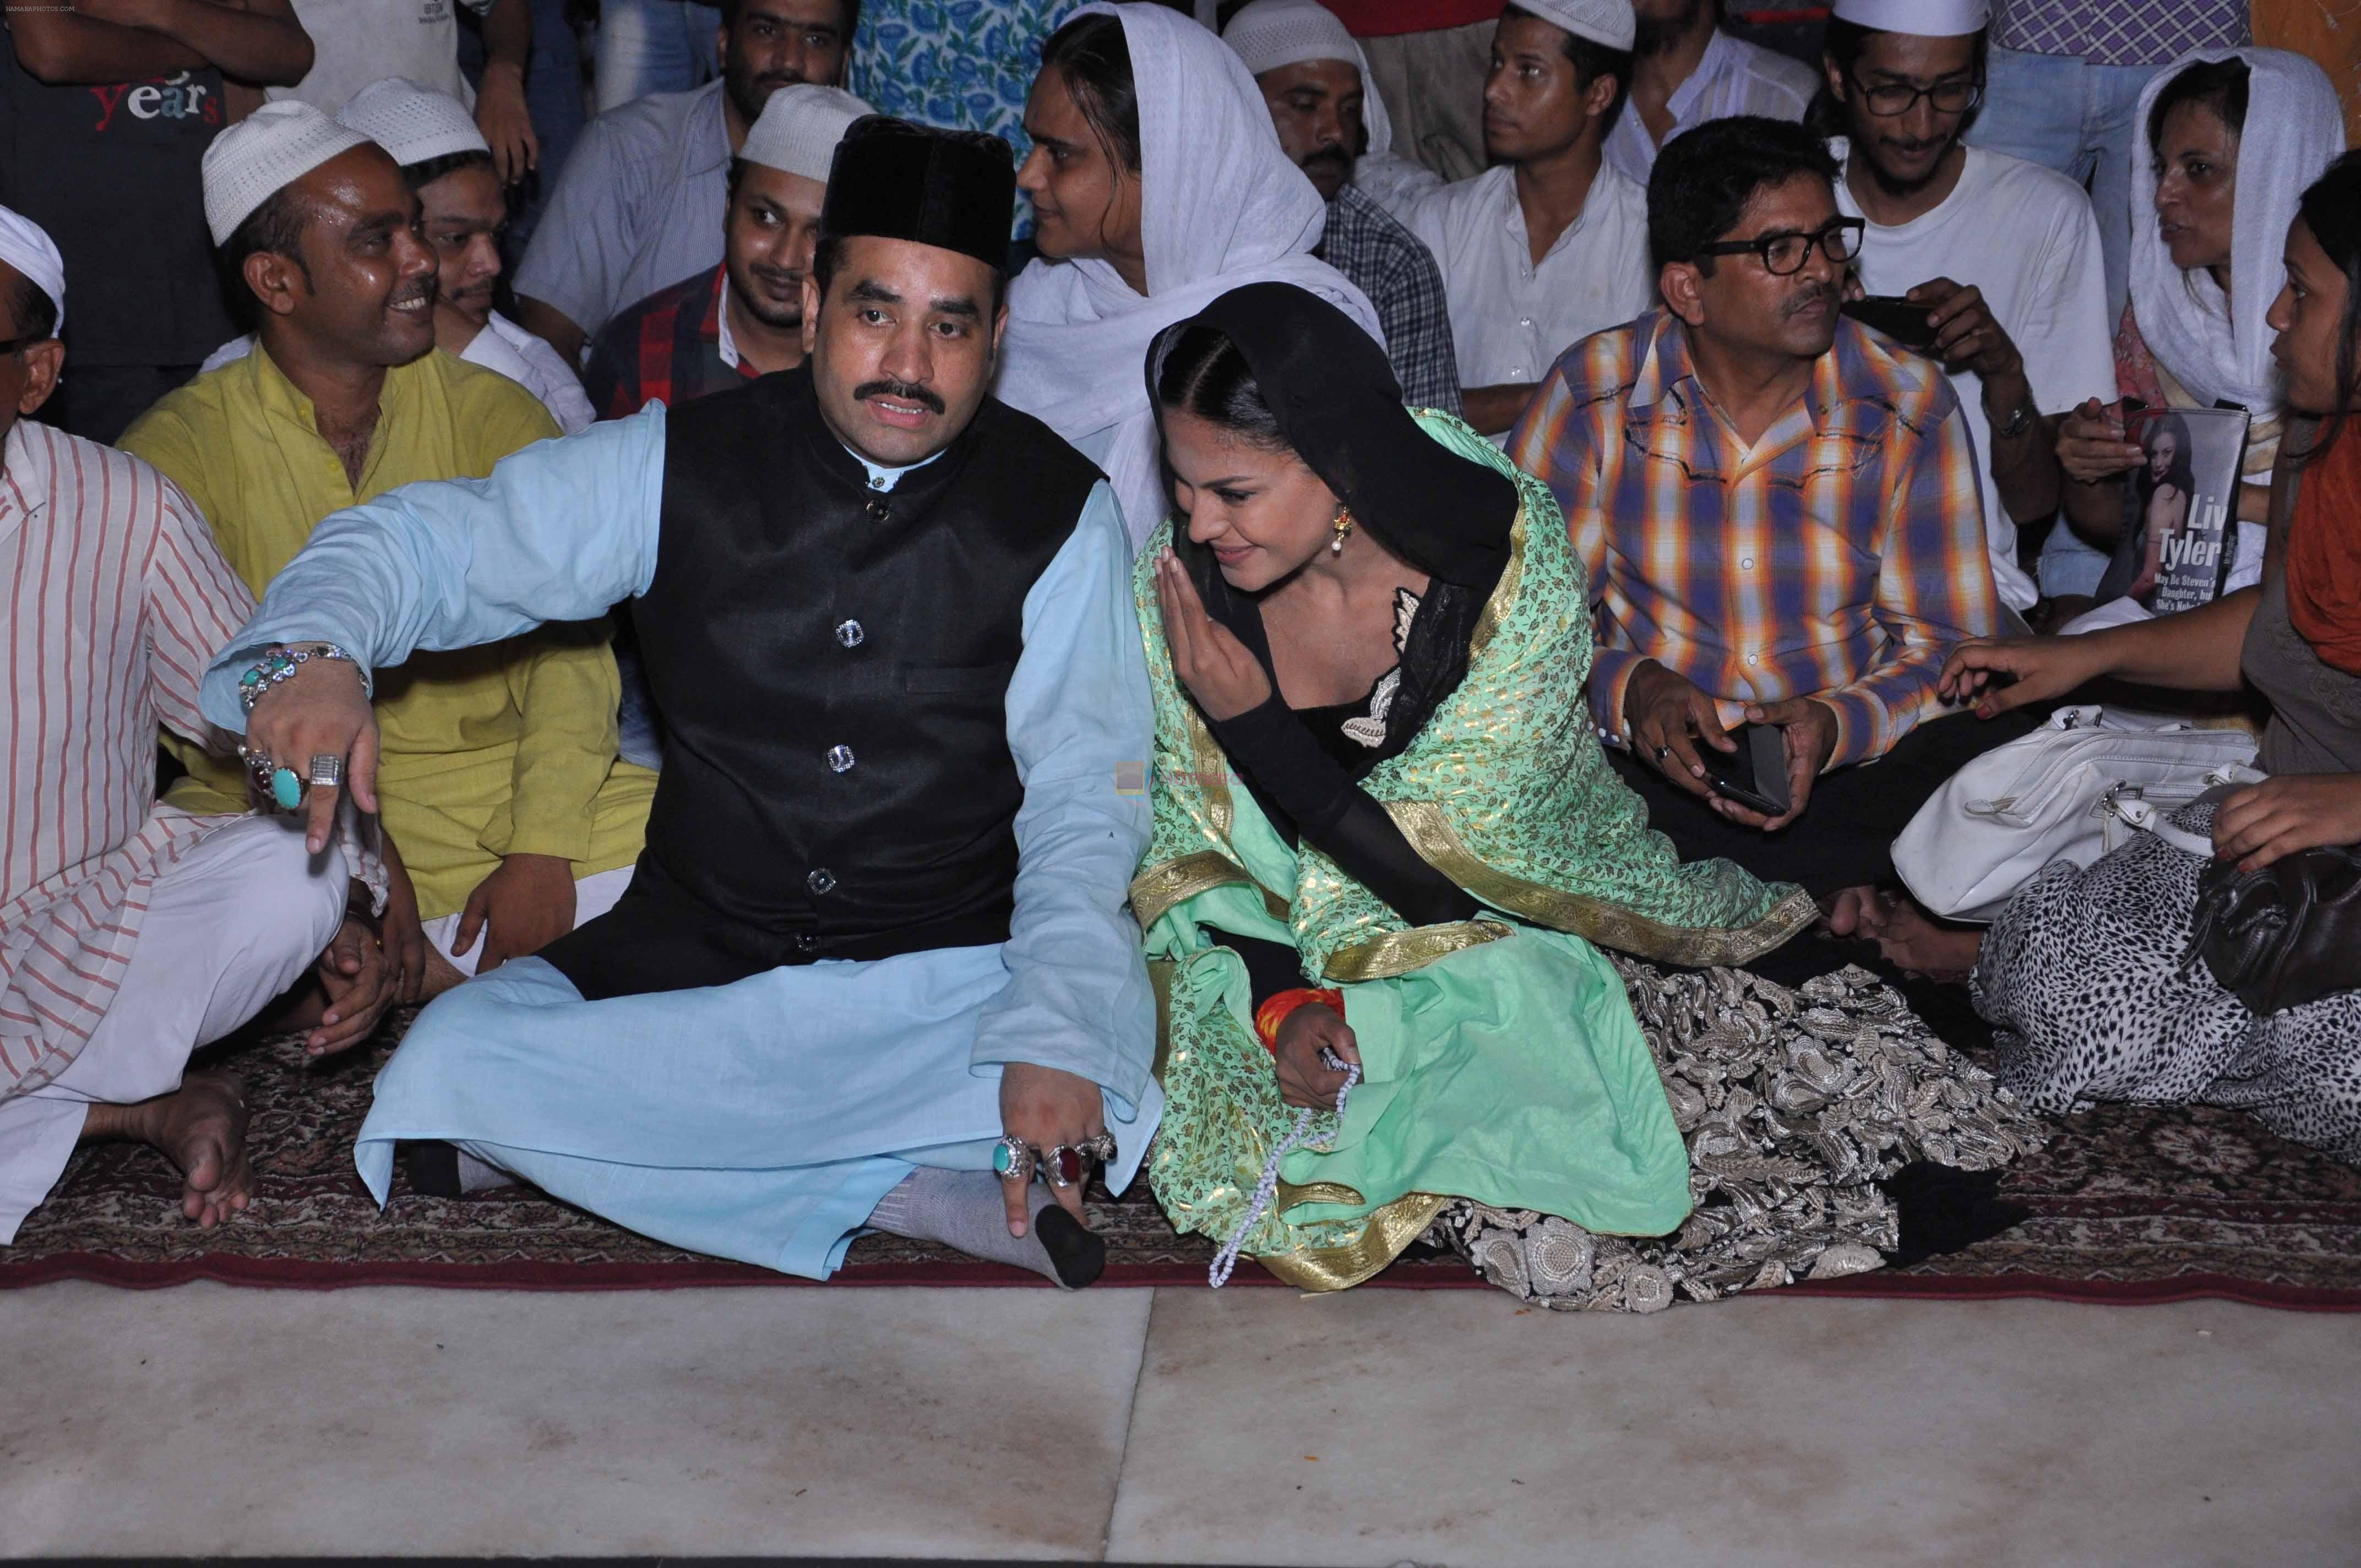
[1944, 1210]
[963, 1209]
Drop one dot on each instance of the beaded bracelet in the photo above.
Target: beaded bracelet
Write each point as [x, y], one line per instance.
[278, 663]
[1275, 1009]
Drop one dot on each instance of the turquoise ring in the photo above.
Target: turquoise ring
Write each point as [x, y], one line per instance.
[1011, 1159]
[286, 789]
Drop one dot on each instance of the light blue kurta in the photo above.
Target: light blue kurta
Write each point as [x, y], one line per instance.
[760, 1121]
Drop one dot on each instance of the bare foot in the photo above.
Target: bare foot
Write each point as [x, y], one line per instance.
[1855, 912]
[1921, 945]
[201, 1127]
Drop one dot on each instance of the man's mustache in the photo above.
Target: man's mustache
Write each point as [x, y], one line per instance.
[779, 79]
[778, 275]
[1331, 157]
[1818, 294]
[901, 391]
[421, 290]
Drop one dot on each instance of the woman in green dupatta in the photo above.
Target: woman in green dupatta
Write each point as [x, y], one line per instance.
[1383, 824]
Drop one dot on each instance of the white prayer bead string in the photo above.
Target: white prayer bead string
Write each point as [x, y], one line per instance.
[1265, 1190]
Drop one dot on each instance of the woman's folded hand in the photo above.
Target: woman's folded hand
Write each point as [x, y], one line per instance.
[1207, 657]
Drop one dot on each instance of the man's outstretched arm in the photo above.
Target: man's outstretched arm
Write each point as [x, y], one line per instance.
[561, 531]
[557, 532]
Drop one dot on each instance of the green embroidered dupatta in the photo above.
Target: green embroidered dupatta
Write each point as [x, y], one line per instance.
[1506, 791]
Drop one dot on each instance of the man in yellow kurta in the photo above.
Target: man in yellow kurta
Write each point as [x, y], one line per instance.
[499, 783]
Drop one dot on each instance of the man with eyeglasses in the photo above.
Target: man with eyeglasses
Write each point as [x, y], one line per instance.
[2005, 252]
[1779, 518]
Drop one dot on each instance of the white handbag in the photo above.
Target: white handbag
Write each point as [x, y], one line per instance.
[2054, 795]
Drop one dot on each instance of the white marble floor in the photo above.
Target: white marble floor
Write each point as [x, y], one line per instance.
[1175, 1426]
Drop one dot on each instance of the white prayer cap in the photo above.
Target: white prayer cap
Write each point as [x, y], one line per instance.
[1270, 34]
[1608, 22]
[411, 122]
[1920, 18]
[26, 247]
[262, 155]
[799, 128]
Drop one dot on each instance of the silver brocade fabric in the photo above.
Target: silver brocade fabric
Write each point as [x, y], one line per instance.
[1793, 1103]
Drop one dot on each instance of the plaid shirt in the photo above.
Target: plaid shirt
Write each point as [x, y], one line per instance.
[1841, 557]
[669, 346]
[2120, 32]
[1386, 262]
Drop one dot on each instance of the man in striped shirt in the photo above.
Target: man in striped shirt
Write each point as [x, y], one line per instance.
[130, 933]
[1779, 514]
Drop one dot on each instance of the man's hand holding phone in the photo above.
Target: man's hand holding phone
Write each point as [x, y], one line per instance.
[1675, 728]
[1808, 729]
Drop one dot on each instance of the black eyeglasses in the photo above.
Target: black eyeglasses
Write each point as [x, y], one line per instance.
[1786, 251]
[1890, 99]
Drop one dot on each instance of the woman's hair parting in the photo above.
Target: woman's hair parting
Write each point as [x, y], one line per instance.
[1201, 371]
[1090, 53]
[2219, 85]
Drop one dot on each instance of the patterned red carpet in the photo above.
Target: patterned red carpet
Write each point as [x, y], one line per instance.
[2130, 1204]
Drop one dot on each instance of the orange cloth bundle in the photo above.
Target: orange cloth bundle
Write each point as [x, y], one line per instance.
[2323, 564]
[1274, 1011]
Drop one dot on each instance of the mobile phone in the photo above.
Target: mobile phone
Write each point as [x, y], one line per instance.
[1896, 317]
[1755, 774]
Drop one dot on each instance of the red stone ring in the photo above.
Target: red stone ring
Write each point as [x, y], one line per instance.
[1062, 1165]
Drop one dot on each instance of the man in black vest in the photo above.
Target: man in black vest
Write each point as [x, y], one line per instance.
[875, 967]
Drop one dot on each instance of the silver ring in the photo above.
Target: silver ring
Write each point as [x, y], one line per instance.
[1663, 751]
[1053, 1164]
[1100, 1148]
[259, 764]
[1011, 1159]
[328, 769]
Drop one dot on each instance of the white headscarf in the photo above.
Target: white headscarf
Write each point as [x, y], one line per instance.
[1220, 206]
[2294, 128]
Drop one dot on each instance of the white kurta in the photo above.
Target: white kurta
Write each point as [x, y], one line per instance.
[1512, 316]
[760, 1121]
[1733, 76]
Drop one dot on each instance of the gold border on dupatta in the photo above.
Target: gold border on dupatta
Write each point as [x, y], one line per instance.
[1504, 593]
[1169, 882]
[1159, 984]
[1429, 832]
[1213, 770]
[1388, 1229]
[1400, 952]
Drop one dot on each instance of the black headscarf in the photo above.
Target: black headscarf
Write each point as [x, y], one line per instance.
[1340, 407]
[1328, 386]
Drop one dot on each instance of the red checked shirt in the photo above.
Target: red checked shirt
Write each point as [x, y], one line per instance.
[670, 346]
[1840, 557]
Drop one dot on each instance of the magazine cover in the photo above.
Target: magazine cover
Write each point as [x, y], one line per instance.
[2180, 514]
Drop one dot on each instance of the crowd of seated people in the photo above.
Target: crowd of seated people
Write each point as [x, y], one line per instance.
[1210, 652]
